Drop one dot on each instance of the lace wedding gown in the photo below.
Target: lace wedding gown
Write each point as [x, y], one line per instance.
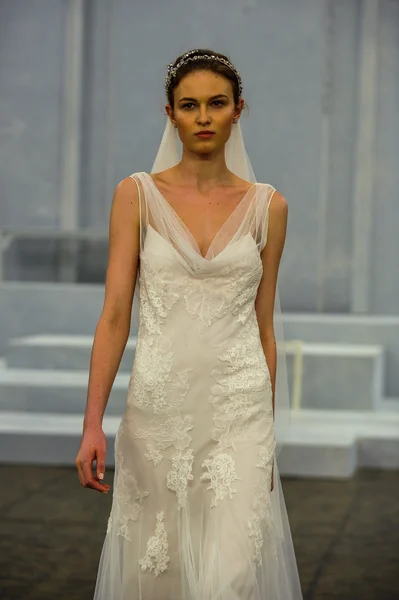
[193, 517]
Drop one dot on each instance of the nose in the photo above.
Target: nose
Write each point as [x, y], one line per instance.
[203, 117]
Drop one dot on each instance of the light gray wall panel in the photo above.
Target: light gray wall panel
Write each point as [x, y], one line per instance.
[31, 74]
[385, 242]
[279, 47]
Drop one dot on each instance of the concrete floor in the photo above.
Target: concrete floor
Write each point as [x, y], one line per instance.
[346, 535]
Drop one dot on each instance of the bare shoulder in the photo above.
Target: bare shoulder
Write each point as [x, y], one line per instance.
[278, 207]
[277, 222]
[125, 205]
[126, 192]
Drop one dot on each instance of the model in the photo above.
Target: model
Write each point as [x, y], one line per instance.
[198, 511]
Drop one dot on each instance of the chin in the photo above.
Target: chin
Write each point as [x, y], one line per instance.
[204, 148]
[207, 149]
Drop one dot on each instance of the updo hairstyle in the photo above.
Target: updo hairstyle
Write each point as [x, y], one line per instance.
[206, 64]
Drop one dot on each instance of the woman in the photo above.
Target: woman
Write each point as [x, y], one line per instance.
[198, 511]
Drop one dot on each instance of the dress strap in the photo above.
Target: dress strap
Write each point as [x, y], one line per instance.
[262, 225]
[140, 210]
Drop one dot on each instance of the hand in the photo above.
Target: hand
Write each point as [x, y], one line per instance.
[272, 485]
[92, 447]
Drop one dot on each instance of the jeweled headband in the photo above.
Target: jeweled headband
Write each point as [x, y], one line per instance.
[172, 70]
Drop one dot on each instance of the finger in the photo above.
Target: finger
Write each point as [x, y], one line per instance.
[100, 464]
[87, 470]
[105, 486]
[89, 480]
[99, 487]
[80, 472]
[92, 482]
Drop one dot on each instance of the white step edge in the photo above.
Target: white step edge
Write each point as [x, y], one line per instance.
[52, 340]
[325, 427]
[327, 349]
[50, 423]
[342, 427]
[55, 438]
[340, 319]
[53, 378]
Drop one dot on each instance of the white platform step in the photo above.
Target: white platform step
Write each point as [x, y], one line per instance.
[39, 390]
[70, 352]
[331, 376]
[322, 443]
[336, 443]
[337, 376]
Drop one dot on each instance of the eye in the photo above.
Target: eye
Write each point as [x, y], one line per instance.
[187, 105]
[218, 102]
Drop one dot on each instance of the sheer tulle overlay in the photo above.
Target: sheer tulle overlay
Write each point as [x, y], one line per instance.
[193, 517]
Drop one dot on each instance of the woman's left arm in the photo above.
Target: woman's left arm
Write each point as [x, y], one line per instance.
[264, 303]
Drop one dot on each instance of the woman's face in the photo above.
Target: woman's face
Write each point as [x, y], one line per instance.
[204, 101]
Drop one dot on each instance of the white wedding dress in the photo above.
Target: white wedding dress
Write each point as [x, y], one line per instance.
[193, 517]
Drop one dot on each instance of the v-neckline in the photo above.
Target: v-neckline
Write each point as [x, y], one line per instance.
[204, 257]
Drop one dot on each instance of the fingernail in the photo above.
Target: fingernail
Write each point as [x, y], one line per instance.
[101, 476]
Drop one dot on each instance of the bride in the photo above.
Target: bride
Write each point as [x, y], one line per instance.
[198, 511]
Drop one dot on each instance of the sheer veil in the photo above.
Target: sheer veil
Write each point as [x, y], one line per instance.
[237, 160]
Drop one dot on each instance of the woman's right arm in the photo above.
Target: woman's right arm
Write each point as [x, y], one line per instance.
[112, 329]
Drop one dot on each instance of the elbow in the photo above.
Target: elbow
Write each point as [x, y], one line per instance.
[116, 321]
[267, 335]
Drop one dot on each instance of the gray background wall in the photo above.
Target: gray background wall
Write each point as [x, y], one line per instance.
[301, 63]
[82, 106]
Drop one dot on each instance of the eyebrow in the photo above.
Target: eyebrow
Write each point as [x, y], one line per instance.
[211, 98]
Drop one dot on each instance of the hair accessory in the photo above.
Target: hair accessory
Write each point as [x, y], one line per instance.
[186, 58]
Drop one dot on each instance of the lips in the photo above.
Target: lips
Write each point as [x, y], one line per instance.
[205, 133]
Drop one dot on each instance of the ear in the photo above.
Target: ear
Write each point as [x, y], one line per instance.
[239, 108]
[169, 111]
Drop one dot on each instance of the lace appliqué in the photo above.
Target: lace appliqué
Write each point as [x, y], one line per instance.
[221, 472]
[156, 299]
[174, 431]
[153, 454]
[265, 456]
[262, 524]
[232, 417]
[179, 475]
[156, 558]
[235, 291]
[243, 387]
[127, 499]
[151, 372]
[241, 390]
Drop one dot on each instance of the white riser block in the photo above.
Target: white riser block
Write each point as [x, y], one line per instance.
[69, 352]
[339, 377]
[54, 391]
[294, 459]
[55, 449]
[326, 444]
[379, 453]
[313, 460]
[48, 438]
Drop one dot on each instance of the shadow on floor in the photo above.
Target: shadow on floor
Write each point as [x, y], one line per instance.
[346, 534]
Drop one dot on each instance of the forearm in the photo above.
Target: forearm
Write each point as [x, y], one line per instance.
[108, 346]
[270, 351]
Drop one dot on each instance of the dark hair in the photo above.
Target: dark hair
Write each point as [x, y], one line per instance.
[201, 65]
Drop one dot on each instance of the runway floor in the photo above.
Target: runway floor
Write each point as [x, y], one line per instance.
[346, 534]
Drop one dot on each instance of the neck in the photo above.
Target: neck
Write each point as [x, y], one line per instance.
[203, 172]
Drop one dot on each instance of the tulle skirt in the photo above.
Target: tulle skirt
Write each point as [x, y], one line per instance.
[198, 552]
